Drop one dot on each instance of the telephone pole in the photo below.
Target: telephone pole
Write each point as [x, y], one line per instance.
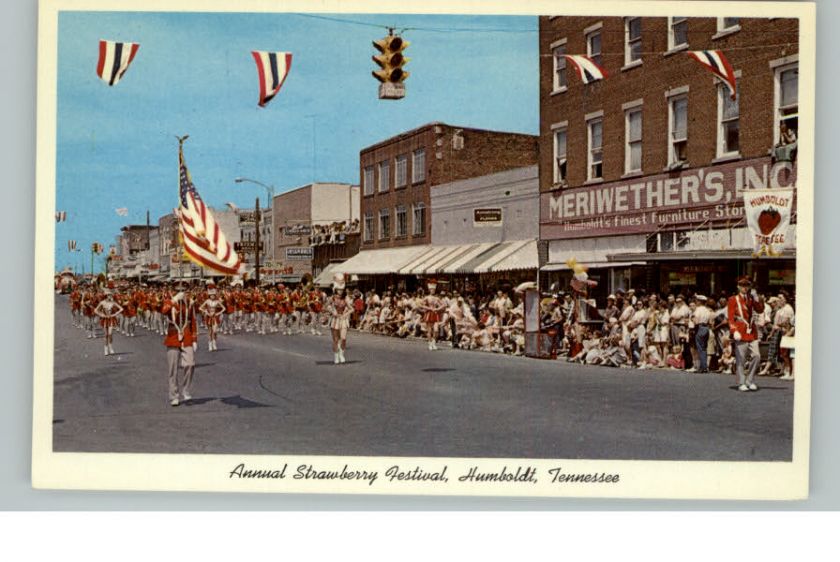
[257, 242]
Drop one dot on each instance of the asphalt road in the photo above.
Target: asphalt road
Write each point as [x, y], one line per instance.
[280, 394]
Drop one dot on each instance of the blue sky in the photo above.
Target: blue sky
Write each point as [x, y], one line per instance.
[194, 74]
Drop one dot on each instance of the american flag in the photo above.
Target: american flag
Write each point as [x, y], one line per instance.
[203, 241]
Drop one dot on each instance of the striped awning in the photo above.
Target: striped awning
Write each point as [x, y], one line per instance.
[509, 256]
[378, 262]
[437, 259]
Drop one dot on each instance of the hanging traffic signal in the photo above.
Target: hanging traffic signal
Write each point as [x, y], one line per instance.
[391, 61]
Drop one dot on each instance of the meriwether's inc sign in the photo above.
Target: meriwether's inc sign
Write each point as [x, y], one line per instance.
[652, 203]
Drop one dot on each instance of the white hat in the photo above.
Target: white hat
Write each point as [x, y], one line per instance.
[211, 292]
[610, 297]
[701, 298]
[338, 282]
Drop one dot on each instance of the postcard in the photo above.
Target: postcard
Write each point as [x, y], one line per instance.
[548, 249]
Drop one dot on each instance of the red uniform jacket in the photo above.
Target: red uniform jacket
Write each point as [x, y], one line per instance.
[741, 317]
[190, 330]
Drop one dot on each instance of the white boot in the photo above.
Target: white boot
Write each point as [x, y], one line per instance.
[336, 361]
[210, 345]
[341, 358]
[107, 351]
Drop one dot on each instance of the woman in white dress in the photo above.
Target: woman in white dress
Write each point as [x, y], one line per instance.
[340, 312]
[108, 310]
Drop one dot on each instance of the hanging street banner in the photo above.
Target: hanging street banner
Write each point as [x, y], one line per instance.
[768, 217]
[707, 195]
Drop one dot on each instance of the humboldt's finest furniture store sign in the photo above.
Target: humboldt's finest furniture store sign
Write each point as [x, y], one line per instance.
[651, 203]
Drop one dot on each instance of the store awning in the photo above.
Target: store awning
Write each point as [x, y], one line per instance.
[378, 262]
[591, 265]
[325, 278]
[506, 257]
[519, 257]
[437, 258]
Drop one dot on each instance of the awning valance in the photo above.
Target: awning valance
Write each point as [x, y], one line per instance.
[378, 262]
[592, 265]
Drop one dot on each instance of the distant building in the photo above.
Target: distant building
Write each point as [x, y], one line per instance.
[303, 214]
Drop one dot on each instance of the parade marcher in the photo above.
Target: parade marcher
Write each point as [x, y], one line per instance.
[181, 343]
[88, 304]
[108, 310]
[316, 306]
[340, 312]
[702, 318]
[740, 310]
[211, 311]
[784, 321]
[130, 313]
[432, 307]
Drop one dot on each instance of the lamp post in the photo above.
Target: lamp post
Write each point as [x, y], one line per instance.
[270, 191]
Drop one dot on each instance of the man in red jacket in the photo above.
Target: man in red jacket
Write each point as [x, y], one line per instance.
[181, 342]
[740, 309]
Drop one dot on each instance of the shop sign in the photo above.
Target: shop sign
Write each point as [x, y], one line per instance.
[299, 253]
[298, 230]
[487, 217]
[696, 196]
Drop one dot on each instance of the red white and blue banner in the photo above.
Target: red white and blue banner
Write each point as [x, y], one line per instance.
[716, 63]
[272, 69]
[71, 245]
[203, 241]
[114, 58]
[587, 69]
[60, 216]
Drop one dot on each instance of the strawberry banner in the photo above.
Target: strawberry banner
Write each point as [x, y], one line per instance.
[768, 217]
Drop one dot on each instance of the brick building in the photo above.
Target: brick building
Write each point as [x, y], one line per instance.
[641, 173]
[397, 176]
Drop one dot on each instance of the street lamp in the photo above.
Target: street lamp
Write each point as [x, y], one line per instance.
[270, 191]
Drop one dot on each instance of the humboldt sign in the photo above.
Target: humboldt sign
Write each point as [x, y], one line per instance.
[650, 203]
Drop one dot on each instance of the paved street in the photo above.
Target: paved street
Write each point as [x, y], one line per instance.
[280, 394]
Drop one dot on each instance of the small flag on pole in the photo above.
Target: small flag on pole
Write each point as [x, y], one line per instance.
[122, 211]
[60, 216]
[272, 69]
[71, 245]
[716, 63]
[114, 58]
[587, 69]
[97, 248]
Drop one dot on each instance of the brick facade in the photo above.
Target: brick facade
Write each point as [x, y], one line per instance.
[659, 72]
[450, 154]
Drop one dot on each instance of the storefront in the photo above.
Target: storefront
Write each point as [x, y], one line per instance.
[682, 231]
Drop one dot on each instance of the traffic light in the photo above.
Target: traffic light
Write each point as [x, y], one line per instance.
[391, 61]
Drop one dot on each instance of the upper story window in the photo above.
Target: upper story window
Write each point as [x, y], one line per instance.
[401, 172]
[419, 226]
[633, 140]
[593, 46]
[728, 122]
[402, 220]
[677, 129]
[728, 24]
[595, 129]
[418, 165]
[632, 40]
[384, 224]
[677, 32]
[558, 52]
[787, 103]
[369, 233]
[560, 155]
[368, 180]
[384, 176]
